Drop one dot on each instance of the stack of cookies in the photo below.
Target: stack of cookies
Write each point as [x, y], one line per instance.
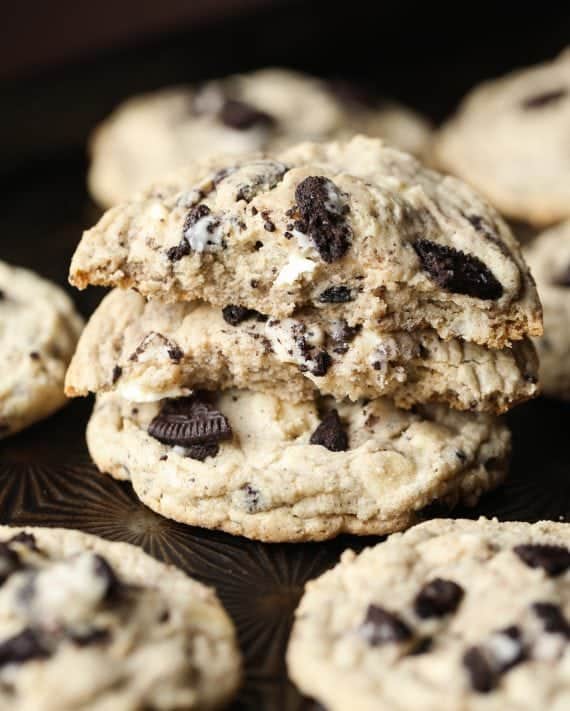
[304, 344]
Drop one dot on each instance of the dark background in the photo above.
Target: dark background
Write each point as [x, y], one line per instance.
[64, 65]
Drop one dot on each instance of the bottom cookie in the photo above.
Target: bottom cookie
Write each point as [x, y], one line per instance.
[451, 615]
[89, 624]
[254, 465]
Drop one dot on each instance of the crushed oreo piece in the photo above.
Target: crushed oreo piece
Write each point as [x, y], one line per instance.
[242, 116]
[552, 618]
[25, 539]
[269, 226]
[175, 353]
[117, 372]
[234, 315]
[544, 99]
[342, 335]
[506, 649]
[554, 560]
[95, 635]
[456, 271]
[482, 675]
[331, 433]
[23, 647]
[200, 452]
[252, 498]
[269, 176]
[381, 626]
[190, 421]
[9, 562]
[353, 93]
[438, 598]
[2, 295]
[336, 295]
[105, 572]
[195, 214]
[322, 210]
[320, 364]
[422, 646]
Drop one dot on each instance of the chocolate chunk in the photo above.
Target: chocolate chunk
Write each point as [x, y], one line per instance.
[336, 295]
[331, 433]
[457, 272]
[95, 635]
[323, 217]
[202, 451]
[234, 315]
[563, 278]
[552, 618]
[104, 571]
[381, 626]
[483, 677]
[22, 647]
[544, 99]
[9, 562]
[437, 598]
[321, 362]
[25, 539]
[117, 372]
[242, 116]
[190, 421]
[422, 646]
[555, 560]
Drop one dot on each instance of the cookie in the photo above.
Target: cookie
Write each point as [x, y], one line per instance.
[510, 139]
[455, 615]
[549, 260]
[39, 328]
[415, 249]
[85, 623]
[151, 135]
[150, 350]
[254, 465]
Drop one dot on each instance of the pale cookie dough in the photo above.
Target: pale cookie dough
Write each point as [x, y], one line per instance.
[254, 465]
[39, 328]
[148, 351]
[510, 139]
[549, 260]
[454, 615]
[415, 249]
[88, 624]
[151, 135]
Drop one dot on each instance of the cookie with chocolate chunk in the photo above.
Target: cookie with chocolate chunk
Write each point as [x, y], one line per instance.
[415, 249]
[259, 466]
[549, 259]
[39, 328]
[510, 139]
[452, 614]
[85, 623]
[151, 350]
[151, 135]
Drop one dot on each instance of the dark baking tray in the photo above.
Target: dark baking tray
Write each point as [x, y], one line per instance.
[47, 478]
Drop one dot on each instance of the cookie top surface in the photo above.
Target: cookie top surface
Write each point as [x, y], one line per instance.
[253, 464]
[510, 139]
[150, 350]
[461, 615]
[89, 623]
[39, 328]
[151, 135]
[549, 259]
[417, 249]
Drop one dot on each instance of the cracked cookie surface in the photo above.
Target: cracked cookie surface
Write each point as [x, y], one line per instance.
[151, 135]
[86, 623]
[510, 139]
[252, 464]
[39, 328]
[415, 249]
[454, 614]
[150, 350]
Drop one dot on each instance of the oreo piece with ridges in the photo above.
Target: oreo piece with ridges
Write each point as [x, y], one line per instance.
[457, 272]
[190, 421]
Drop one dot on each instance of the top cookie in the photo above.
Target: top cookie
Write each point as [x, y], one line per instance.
[414, 249]
[455, 615]
[511, 140]
[153, 134]
[39, 329]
